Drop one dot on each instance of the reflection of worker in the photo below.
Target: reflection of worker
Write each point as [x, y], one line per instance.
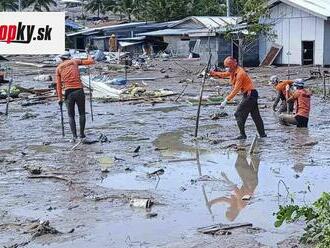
[67, 74]
[300, 154]
[249, 176]
[301, 98]
[249, 104]
[282, 94]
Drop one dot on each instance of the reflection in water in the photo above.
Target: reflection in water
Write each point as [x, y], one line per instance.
[248, 173]
[300, 150]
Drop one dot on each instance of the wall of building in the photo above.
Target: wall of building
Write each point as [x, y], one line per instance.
[176, 46]
[293, 26]
[327, 43]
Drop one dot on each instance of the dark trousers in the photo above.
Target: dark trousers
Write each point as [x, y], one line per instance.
[73, 97]
[301, 121]
[249, 105]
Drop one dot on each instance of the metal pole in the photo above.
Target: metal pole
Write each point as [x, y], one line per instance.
[8, 93]
[324, 87]
[19, 5]
[90, 93]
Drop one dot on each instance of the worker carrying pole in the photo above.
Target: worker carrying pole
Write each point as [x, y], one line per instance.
[68, 78]
[249, 103]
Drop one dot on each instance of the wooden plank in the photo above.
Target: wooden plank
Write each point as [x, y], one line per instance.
[271, 55]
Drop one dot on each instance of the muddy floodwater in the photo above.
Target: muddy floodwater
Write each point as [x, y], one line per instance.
[85, 193]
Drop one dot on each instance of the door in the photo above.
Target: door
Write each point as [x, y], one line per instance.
[308, 52]
[235, 49]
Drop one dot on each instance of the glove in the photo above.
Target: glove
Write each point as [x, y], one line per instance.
[223, 104]
[274, 108]
[211, 73]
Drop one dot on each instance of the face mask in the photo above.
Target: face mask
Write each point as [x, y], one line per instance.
[227, 69]
[294, 87]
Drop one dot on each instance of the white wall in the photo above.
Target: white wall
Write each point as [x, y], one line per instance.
[293, 26]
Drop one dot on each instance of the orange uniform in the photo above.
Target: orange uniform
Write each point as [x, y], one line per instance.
[302, 98]
[68, 74]
[281, 86]
[239, 79]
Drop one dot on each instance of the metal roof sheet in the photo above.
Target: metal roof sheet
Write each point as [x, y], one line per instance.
[210, 21]
[320, 8]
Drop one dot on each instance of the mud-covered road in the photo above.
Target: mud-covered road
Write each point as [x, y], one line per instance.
[85, 193]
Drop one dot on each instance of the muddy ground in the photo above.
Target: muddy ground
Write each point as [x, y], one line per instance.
[203, 182]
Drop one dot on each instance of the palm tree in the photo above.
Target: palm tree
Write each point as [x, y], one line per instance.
[99, 6]
[126, 7]
[38, 5]
[8, 5]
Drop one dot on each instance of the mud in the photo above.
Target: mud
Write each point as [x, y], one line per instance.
[203, 182]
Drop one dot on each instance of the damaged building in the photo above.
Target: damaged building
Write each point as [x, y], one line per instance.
[197, 36]
[303, 30]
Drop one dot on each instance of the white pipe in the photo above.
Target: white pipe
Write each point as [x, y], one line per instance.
[228, 7]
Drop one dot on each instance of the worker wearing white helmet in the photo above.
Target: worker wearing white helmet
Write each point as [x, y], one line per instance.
[282, 94]
[302, 99]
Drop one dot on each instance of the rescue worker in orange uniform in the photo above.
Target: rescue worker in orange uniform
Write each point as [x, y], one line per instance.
[282, 93]
[302, 101]
[249, 103]
[68, 78]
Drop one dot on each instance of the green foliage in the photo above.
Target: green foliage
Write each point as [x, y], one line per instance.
[208, 8]
[39, 5]
[8, 5]
[316, 216]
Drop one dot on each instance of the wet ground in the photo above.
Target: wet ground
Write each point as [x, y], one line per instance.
[87, 193]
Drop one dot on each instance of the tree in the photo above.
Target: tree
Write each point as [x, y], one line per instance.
[39, 5]
[126, 7]
[6, 5]
[99, 6]
[245, 34]
[208, 8]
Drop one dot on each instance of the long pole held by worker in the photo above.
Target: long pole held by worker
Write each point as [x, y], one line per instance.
[90, 92]
[8, 93]
[201, 95]
[62, 120]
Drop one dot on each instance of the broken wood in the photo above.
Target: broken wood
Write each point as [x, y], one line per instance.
[271, 55]
[49, 177]
[213, 229]
[181, 160]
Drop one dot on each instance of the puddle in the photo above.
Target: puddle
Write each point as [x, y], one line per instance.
[217, 198]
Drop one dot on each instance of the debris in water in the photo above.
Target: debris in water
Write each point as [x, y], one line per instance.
[34, 170]
[217, 116]
[103, 138]
[141, 203]
[137, 149]
[156, 173]
[151, 215]
[41, 229]
[28, 115]
[214, 229]
[246, 198]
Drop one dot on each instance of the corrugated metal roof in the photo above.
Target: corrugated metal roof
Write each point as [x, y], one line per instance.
[177, 32]
[320, 8]
[107, 28]
[210, 21]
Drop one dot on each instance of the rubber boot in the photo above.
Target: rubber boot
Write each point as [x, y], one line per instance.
[82, 123]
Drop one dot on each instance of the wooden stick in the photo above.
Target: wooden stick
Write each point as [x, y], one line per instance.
[182, 92]
[48, 177]
[201, 96]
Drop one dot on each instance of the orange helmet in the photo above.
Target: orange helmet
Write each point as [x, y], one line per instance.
[230, 62]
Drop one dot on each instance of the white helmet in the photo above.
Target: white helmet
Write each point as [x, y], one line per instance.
[299, 82]
[274, 79]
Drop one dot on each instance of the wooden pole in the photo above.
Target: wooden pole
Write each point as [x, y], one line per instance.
[324, 87]
[201, 95]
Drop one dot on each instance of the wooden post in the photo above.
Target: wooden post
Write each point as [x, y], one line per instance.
[324, 87]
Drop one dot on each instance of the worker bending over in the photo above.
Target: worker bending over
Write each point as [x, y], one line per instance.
[282, 94]
[68, 77]
[249, 103]
[301, 98]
